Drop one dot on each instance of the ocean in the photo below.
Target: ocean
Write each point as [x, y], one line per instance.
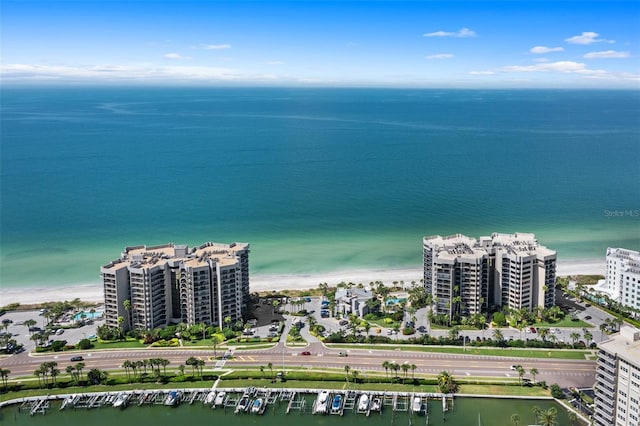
[316, 180]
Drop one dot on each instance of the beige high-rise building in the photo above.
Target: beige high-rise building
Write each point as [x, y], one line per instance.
[154, 286]
[466, 276]
[617, 388]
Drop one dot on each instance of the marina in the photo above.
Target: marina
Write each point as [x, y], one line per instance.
[244, 400]
[278, 407]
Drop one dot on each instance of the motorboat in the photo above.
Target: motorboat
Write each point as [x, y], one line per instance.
[243, 404]
[336, 405]
[219, 398]
[121, 400]
[363, 402]
[376, 404]
[323, 396]
[257, 405]
[416, 405]
[211, 396]
[172, 399]
[320, 407]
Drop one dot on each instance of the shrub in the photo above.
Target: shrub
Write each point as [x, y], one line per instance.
[85, 344]
[556, 391]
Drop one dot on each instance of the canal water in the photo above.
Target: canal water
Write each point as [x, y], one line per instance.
[466, 411]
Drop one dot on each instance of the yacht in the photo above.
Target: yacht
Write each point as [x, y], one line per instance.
[121, 400]
[336, 405]
[257, 405]
[416, 405]
[321, 402]
[376, 404]
[363, 402]
[211, 396]
[219, 398]
[172, 398]
[243, 404]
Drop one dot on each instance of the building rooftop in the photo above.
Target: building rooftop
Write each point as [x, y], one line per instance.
[146, 257]
[626, 344]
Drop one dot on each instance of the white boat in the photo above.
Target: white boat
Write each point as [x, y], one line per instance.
[363, 402]
[172, 398]
[211, 396]
[257, 405]
[321, 402]
[376, 404]
[219, 398]
[243, 404]
[416, 405]
[121, 400]
[323, 396]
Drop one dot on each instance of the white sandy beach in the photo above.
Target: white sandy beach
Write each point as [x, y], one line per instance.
[93, 292]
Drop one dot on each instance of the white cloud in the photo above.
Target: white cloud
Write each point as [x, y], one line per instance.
[461, 33]
[540, 60]
[115, 73]
[176, 56]
[213, 46]
[563, 67]
[587, 37]
[545, 49]
[440, 56]
[482, 72]
[607, 54]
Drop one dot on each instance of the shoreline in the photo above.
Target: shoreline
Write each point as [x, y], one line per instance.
[92, 292]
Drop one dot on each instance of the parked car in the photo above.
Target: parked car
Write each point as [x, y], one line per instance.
[343, 322]
[533, 329]
[588, 317]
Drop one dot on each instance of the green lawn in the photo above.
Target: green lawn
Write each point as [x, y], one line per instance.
[566, 322]
[506, 352]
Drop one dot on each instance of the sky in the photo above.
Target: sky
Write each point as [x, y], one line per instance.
[446, 44]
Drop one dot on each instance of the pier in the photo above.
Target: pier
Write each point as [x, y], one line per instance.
[242, 400]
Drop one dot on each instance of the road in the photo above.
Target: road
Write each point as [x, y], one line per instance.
[564, 372]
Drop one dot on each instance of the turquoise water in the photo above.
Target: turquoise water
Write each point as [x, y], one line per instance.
[87, 315]
[492, 412]
[316, 180]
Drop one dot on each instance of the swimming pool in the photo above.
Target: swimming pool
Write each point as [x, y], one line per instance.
[87, 315]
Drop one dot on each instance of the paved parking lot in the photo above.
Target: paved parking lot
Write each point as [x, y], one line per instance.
[22, 335]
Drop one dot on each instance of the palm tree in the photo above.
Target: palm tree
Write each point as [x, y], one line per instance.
[71, 369]
[215, 341]
[405, 369]
[534, 373]
[587, 337]
[4, 375]
[270, 367]
[386, 365]
[603, 327]
[355, 374]
[262, 370]
[547, 417]
[79, 367]
[574, 336]
[346, 370]
[127, 365]
[497, 335]
[30, 323]
[515, 419]
[413, 371]
[446, 383]
[520, 370]
[572, 416]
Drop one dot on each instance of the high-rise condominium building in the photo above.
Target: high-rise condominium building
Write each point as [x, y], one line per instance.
[617, 388]
[623, 276]
[465, 276]
[154, 286]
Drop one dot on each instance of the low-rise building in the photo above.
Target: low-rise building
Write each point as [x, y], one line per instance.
[352, 301]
